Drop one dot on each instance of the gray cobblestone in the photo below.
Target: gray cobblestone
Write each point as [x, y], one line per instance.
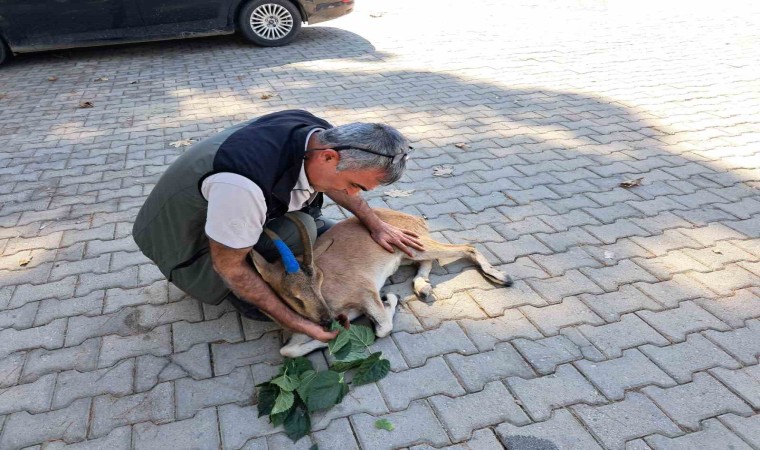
[745, 382]
[481, 440]
[565, 387]
[227, 328]
[550, 319]
[675, 324]
[416, 425]
[682, 360]
[156, 405]
[562, 431]
[116, 348]
[400, 388]
[611, 306]
[229, 356]
[571, 283]
[743, 343]
[363, 399]
[632, 370]
[485, 333]
[73, 385]
[200, 432]
[630, 332]
[28, 293]
[525, 245]
[32, 397]
[632, 418]
[459, 306]
[447, 338]
[704, 397]
[118, 439]
[192, 395]
[474, 371]
[546, 354]
[726, 281]
[337, 436]
[746, 427]
[48, 337]
[39, 362]
[559, 263]
[491, 406]
[612, 277]
[714, 435]
[239, 424]
[22, 429]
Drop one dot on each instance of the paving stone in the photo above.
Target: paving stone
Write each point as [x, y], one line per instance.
[668, 241]
[559, 263]
[362, 399]
[22, 429]
[746, 427]
[630, 332]
[495, 301]
[73, 385]
[89, 282]
[666, 266]
[717, 256]
[573, 237]
[446, 286]
[229, 356]
[48, 336]
[726, 281]
[10, 370]
[194, 395]
[546, 354]
[661, 222]
[743, 343]
[637, 444]
[550, 319]
[447, 338]
[200, 432]
[238, 424]
[459, 306]
[187, 334]
[52, 308]
[27, 293]
[714, 435]
[745, 382]
[400, 388]
[118, 439]
[672, 292]
[529, 225]
[675, 324]
[690, 403]
[148, 368]
[109, 412]
[619, 422]
[337, 436]
[525, 245]
[61, 271]
[682, 360]
[610, 214]
[155, 294]
[486, 333]
[116, 348]
[571, 283]
[622, 228]
[196, 362]
[19, 318]
[281, 440]
[612, 277]
[611, 306]
[32, 397]
[561, 432]
[632, 370]
[491, 406]
[474, 371]
[81, 358]
[415, 425]
[483, 439]
[565, 387]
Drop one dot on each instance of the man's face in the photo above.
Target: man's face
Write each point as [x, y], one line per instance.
[323, 175]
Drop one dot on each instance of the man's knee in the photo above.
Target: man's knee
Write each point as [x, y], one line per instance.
[287, 230]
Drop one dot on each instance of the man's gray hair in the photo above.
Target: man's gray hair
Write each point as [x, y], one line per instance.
[377, 137]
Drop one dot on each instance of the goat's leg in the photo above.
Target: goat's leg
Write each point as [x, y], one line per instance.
[381, 314]
[438, 250]
[300, 345]
[422, 287]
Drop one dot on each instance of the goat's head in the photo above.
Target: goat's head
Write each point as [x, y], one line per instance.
[298, 284]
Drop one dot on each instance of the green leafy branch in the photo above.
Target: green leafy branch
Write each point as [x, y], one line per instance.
[298, 390]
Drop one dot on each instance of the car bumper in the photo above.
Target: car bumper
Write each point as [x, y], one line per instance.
[327, 10]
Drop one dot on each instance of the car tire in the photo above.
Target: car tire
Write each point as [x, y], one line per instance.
[270, 23]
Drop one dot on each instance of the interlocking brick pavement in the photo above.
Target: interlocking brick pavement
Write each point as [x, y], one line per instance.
[633, 321]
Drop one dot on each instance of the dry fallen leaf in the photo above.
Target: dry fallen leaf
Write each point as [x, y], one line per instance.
[133, 82]
[52, 78]
[398, 193]
[86, 104]
[631, 183]
[376, 15]
[268, 95]
[101, 79]
[442, 171]
[609, 255]
[462, 145]
[3, 95]
[24, 261]
[182, 143]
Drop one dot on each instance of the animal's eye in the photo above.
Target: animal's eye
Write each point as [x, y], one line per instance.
[299, 302]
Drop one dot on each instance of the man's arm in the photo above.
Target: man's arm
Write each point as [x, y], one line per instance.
[248, 285]
[383, 233]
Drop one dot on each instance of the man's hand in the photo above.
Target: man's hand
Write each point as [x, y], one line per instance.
[388, 236]
[317, 332]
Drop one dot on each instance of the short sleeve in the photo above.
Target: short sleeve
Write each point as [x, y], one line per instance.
[236, 214]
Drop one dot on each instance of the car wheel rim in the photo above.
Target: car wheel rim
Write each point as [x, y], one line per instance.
[271, 21]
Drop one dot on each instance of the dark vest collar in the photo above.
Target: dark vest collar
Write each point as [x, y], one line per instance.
[283, 187]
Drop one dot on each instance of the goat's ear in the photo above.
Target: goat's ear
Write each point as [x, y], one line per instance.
[263, 266]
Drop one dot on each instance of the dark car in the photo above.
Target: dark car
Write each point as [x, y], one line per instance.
[34, 25]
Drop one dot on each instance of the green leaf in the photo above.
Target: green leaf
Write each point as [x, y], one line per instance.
[286, 382]
[278, 419]
[267, 395]
[306, 379]
[342, 366]
[297, 366]
[283, 403]
[384, 424]
[335, 325]
[298, 423]
[372, 369]
[341, 340]
[361, 335]
[323, 391]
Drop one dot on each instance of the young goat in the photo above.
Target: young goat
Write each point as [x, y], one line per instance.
[342, 274]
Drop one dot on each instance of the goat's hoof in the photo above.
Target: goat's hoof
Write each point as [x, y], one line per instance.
[391, 300]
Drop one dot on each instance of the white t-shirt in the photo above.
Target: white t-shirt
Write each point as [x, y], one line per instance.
[237, 209]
